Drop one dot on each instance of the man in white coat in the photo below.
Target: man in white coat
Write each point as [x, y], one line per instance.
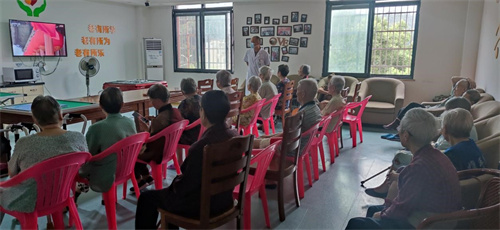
[255, 58]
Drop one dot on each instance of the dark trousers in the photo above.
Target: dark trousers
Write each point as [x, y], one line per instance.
[146, 216]
[370, 223]
[140, 170]
[412, 105]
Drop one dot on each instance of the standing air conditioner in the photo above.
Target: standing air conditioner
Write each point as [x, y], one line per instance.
[153, 59]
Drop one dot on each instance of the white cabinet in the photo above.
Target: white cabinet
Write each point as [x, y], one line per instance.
[29, 92]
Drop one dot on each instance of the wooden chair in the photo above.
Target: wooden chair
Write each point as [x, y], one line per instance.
[205, 85]
[355, 96]
[235, 101]
[344, 92]
[234, 84]
[289, 146]
[484, 216]
[225, 166]
[286, 99]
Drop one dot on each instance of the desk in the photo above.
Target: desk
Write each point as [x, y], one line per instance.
[9, 96]
[133, 100]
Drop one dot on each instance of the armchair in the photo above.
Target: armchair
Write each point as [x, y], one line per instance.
[387, 98]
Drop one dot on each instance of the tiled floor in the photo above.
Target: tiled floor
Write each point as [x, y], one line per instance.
[329, 204]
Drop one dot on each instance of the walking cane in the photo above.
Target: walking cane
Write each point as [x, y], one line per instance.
[362, 182]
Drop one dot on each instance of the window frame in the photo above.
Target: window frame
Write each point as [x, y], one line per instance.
[372, 4]
[201, 13]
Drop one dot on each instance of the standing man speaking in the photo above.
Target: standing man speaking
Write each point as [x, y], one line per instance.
[255, 58]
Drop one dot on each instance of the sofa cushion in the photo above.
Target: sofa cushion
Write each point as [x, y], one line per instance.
[485, 97]
[485, 110]
[379, 107]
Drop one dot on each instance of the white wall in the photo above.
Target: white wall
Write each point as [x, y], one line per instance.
[159, 25]
[471, 39]
[488, 68]
[121, 57]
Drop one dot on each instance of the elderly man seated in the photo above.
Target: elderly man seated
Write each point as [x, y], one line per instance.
[428, 185]
[306, 92]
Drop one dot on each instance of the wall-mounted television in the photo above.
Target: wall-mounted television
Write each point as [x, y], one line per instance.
[37, 39]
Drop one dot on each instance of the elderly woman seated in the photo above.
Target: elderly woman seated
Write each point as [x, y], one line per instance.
[50, 142]
[428, 185]
[456, 128]
[336, 102]
[253, 86]
[223, 80]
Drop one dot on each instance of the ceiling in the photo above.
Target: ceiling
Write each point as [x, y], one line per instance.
[178, 2]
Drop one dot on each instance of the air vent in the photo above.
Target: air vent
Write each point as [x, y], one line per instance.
[153, 44]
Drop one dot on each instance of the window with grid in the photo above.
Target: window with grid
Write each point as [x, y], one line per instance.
[203, 40]
[371, 38]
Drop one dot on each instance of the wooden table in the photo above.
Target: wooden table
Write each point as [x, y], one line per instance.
[133, 100]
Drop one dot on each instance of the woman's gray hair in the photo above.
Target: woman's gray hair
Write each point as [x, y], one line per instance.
[46, 110]
[420, 124]
[457, 122]
[254, 82]
[265, 71]
[224, 78]
[310, 87]
[338, 82]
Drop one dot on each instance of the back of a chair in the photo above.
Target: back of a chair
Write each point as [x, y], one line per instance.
[485, 110]
[126, 150]
[225, 165]
[356, 92]
[235, 101]
[194, 124]
[171, 135]
[489, 200]
[311, 133]
[489, 147]
[295, 78]
[54, 178]
[324, 123]
[287, 96]
[263, 159]
[290, 143]
[337, 118]
[383, 89]
[275, 79]
[361, 105]
[487, 127]
[205, 85]
[256, 110]
[234, 84]
[274, 101]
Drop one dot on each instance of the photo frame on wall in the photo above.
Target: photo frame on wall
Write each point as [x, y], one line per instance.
[284, 50]
[294, 41]
[295, 16]
[296, 28]
[293, 50]
[284, 31]
[249, 20]
[276, 21]
[245, 30]
[275, 53]
[258, 18]
[254, 29]
[266, 31]
[249, 40]
[285, 58]
[307, 28]
[303, 42]
[261, 41]
[267, 20]
[284, 19]
[303, 18]
[266, 49]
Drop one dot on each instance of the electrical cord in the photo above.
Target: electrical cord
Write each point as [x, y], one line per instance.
[55, 68]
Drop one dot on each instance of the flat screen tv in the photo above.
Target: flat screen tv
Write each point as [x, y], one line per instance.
[37, 39]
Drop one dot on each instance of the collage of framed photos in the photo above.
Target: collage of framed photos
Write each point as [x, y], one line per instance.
[284, 38]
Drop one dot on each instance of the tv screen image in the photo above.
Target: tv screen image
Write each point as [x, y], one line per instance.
[33, 39]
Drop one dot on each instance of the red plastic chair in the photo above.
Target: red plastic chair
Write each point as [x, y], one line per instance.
[265, 122]
[305, 158]
[185, 147]
[354, 121]
[54, 178]
[172, 134]
[255, 183]
[126, 151]
[247, 130]
[317, 142]
[333, 137]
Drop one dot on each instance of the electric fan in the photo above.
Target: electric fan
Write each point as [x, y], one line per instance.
[89, 67]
